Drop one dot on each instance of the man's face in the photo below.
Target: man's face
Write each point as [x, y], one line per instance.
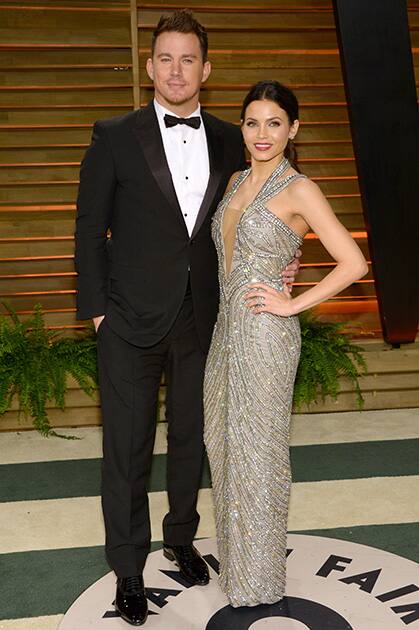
[177, 69]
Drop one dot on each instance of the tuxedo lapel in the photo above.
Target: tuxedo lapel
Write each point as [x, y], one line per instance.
[215, 143]
[148, 134]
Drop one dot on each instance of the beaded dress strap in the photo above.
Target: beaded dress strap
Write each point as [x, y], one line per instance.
[277, 185]
[239, 179]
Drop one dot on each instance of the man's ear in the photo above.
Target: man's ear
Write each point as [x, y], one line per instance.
[149, 68]
[206, 71]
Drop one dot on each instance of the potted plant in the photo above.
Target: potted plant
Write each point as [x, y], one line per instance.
[35, 364]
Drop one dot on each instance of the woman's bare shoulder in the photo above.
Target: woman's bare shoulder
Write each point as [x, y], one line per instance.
[303, 189]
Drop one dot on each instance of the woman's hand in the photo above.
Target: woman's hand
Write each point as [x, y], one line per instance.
[262, 298]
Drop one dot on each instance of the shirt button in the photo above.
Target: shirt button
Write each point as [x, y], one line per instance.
[184, 142]
[185, 215]
[186, 177]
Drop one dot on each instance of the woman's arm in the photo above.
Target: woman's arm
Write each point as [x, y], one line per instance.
[310, 203]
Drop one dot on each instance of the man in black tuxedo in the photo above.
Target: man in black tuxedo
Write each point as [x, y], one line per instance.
[153, 178]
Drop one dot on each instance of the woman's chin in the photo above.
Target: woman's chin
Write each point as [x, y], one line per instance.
[262, 157]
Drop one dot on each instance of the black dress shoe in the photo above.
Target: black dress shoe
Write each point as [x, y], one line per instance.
[130, 600]
[191, 565]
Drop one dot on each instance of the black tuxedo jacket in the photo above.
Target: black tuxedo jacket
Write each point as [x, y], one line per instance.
[138, 276]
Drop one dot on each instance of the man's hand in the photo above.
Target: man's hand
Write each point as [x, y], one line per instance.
[289, 273]
[97, 321]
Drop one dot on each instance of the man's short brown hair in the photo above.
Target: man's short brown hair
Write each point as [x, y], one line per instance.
[181, 21]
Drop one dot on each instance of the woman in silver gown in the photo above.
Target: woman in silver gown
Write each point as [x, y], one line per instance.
[251, 366]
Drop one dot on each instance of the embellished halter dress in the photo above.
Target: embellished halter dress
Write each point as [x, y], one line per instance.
[248, 394]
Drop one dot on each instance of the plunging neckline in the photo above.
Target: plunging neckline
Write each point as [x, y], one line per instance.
[269, 214]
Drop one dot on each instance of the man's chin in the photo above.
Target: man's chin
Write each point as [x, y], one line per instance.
[178, 99]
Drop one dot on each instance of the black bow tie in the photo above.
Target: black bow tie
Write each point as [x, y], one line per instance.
[171, 121]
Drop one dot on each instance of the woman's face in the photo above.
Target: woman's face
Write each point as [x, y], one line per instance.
[266, 130]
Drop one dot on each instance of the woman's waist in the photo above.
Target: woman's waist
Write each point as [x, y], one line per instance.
[233, 302]
[238, 284]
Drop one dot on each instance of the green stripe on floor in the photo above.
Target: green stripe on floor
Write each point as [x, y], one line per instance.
[69, 478]
[81, 477]
[389, 458]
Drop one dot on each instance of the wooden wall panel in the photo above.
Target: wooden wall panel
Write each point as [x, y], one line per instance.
[63, 66]
[66, 64]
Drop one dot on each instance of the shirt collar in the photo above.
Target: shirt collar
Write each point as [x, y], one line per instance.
[161, 111]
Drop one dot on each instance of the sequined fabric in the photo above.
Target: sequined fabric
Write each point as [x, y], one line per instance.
[248, 392]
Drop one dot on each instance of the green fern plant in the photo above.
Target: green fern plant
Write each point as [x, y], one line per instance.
[326, 354]
[35, 363]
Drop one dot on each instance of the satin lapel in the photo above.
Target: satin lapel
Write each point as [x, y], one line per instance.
[148, 135]
[215, 143]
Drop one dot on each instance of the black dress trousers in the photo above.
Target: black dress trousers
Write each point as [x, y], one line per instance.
[129, 378]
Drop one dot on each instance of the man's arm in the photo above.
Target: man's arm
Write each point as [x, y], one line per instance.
[94, 211]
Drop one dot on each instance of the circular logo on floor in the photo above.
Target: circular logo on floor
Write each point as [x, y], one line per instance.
[331, 585]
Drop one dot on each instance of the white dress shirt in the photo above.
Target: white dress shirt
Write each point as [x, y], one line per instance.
[186, 152]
